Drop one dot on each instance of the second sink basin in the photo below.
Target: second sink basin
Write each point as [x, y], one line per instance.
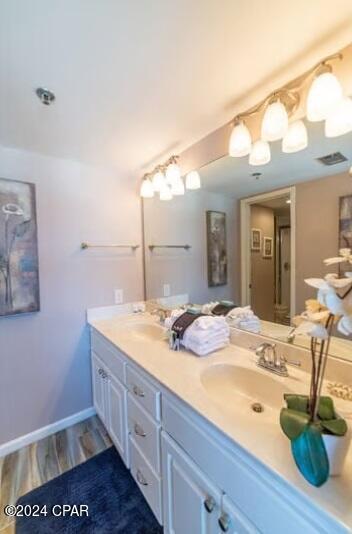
[234, 387]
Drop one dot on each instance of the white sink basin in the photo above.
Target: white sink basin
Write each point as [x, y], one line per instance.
[237, 388]
[151, 332]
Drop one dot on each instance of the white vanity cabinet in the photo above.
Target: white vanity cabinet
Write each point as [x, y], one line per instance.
[192, 502]
[110, 393]
[194, 478]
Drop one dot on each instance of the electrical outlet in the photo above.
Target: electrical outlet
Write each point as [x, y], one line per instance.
[167, 291]
[118, 296]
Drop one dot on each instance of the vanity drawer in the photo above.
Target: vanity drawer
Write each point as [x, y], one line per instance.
[145, 431]
[109, 355]
[147, 480]
[144, 392]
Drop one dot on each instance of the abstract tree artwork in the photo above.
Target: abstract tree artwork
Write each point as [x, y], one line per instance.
[19, 276]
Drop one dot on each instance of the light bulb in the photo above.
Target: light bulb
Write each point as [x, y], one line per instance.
[147, 190]
[193, 180]
[260, 153]
[275, 122]
[240, 141]
[296, 137]
[323, 95]
[158, 180]
[173, 173]
[165, 192]
[339, 120]
[178, 187]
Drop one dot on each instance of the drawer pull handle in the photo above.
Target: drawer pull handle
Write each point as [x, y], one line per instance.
[138, 391]
[224, 522]
[141, 478]
[209, 504]
[100, 372]
[139, 431]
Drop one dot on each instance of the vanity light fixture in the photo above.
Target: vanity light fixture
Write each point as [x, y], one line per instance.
[324, 102]
[296, 137]
[173, 171]
[178, 187]
[323, 95]
[240, 140]
[147, 190]
[158, 179]
[288, 201]
[275, 121]
[193, 180]
[339, 120]
[165, 192]
[260, 153]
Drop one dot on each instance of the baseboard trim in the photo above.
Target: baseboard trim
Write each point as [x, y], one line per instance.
[27, 439]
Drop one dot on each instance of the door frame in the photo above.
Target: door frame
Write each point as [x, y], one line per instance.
[245, 213]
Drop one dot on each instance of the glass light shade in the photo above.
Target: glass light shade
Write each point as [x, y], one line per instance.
[158, 180]
[193, 180]
[173, 173]
[323, 95]
[147, 190]
[240, 141]
[260, 153]
[339, 120]
[165, 192]
[275, 122]
[178, 187]
[296, 137]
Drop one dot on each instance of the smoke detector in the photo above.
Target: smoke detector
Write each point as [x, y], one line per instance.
[45, 96]
[332, 159]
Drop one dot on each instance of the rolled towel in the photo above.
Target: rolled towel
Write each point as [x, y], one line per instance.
[203, 350]
[207, 308]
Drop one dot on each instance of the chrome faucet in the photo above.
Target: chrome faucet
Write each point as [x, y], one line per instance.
[162, 313]
[268, 359]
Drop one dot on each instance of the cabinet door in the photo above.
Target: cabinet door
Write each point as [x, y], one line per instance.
[191, 502]
[232, 521]
[99, 397]
[117, 416]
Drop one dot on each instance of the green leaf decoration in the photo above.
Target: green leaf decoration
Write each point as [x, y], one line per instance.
[310, 456]
[293, 422]
[297, 402]
[326, 409]
[337, 427]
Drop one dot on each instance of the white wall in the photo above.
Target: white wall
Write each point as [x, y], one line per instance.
[44, 357]
[183, 221]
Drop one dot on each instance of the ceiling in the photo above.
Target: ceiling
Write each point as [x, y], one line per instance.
[233, 176]
[137, 80]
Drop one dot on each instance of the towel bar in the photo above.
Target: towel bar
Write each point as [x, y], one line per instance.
[90, 245]
[185, 247]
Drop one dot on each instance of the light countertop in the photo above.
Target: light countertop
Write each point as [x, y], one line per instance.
[180, 372]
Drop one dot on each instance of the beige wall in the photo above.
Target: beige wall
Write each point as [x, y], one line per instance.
[317, 227]
[263, 269]
[183, 221]
[45, 356]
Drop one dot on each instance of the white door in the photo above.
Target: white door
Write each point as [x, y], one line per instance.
[99, 397]
[117, 416]
[232, 520]
[191, 502]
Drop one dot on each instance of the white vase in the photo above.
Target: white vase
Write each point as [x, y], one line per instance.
[336, 449]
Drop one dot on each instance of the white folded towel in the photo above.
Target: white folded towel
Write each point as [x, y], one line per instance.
[208, 308]
[204, 335]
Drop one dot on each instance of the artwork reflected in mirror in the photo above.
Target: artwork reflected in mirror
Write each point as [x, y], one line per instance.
[19, 280]
[345, 226]
[216, 247]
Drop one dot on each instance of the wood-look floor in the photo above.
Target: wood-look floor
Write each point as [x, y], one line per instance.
[32, 466]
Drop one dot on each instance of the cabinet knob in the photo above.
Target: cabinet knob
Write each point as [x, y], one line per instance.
[224, 522]
[209, 504]
[138, 391]
[139, 430]
[100, 372]
[141, 478]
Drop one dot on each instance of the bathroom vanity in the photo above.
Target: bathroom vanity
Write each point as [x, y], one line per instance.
[185, 427]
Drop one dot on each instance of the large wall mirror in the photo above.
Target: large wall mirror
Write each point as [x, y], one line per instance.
[253, 234]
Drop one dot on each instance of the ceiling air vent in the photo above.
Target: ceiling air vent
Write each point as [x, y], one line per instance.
[332, 159]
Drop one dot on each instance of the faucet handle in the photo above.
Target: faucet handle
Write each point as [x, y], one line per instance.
[295, 363]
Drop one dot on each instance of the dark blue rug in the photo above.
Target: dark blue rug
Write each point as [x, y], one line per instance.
[115, 503]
